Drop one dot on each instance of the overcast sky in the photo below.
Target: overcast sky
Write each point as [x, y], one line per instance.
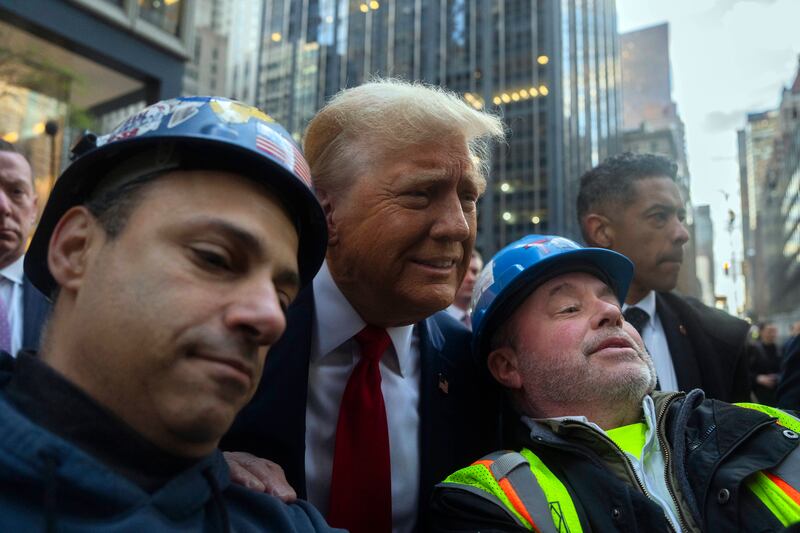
[729, 57]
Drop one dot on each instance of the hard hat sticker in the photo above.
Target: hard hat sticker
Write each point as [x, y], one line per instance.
[236, 113]
[548, 244]
[148, 119]
[183, 112]
[275, 145]
[485, 280]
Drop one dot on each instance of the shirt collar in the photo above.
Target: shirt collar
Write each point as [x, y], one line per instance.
[646, 304]
[336, 322]
[456, 312]
[648, 414]
[15, 271]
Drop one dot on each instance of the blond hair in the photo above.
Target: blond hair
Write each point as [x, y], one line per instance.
[391, 115]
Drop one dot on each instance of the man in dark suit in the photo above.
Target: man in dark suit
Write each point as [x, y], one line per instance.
[23, 309]
[631, 204]
[364, 428]
[788, 393]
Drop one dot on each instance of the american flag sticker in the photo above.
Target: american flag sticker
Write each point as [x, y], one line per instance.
[272, 147]
[301, 167]
[285, 152]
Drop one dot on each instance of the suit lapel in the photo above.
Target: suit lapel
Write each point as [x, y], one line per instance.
[680, 347]
[285, 384]
[435, 437]
[35, 308]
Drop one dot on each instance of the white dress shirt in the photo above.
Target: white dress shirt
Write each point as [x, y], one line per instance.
[334, 354]
[11, 293]
[656, 342]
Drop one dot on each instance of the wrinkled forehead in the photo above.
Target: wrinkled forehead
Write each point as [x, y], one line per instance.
[13, 163]
[447, 148]
[572, 282]
[657, 189]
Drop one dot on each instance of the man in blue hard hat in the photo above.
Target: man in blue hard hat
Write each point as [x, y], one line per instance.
[171, 248]
[599, 449]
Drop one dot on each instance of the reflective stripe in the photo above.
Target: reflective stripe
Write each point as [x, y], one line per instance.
[483, 494]
[479, 476]
[777, 488]
[562, 509]
[780, 504]
[507, 462]
[532, 495]
[515, 500]
[784, 418]
[514, 477]
[525, 487]
[785, 487]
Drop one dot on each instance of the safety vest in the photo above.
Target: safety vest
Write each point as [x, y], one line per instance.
[521, 484]
[777, 488]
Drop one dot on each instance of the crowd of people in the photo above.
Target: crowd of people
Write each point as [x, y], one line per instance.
[216, 331]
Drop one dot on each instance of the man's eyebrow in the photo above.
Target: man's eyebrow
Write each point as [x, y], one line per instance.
[608, 291]
[427, 175]
[11, 179]
[563, 286]
[567, 285]
[230, 231]
[664, 207]
[247, 241]
[433, 176]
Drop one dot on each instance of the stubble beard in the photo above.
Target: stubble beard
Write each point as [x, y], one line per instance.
[570, 386]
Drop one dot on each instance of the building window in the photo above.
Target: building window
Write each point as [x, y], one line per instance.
[166, 14]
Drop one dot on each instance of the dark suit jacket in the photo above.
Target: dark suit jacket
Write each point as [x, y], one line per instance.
[788, 392]
[708, 347]
[35, 309]
[458, 406]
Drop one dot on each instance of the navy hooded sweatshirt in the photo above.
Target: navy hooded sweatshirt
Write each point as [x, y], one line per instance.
[50, 483]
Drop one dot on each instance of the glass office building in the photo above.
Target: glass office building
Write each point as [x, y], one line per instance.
[549, 67]
[67, 66]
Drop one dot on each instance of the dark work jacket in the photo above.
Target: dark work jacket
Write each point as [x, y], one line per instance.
[714, 446]
[35, 310]
[458, 405]
[708, 347]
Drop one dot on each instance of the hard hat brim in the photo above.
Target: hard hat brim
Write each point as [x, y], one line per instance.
[80, 179]
[611, 267]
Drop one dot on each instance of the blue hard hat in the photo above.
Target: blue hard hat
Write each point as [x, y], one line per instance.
[516, 270]
[190, 133]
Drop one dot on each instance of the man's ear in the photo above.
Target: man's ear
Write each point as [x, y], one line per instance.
[70, 244]
[504, 367]
[327, 201]
[598, 230]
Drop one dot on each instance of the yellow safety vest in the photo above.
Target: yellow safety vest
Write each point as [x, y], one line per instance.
[540, 502]
[777, 487]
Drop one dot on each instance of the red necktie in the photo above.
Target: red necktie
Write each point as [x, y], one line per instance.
[361, 484]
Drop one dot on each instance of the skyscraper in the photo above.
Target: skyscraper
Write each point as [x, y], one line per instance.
[549, 67]
[652, 125]
[704, 246]
[769, 170]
